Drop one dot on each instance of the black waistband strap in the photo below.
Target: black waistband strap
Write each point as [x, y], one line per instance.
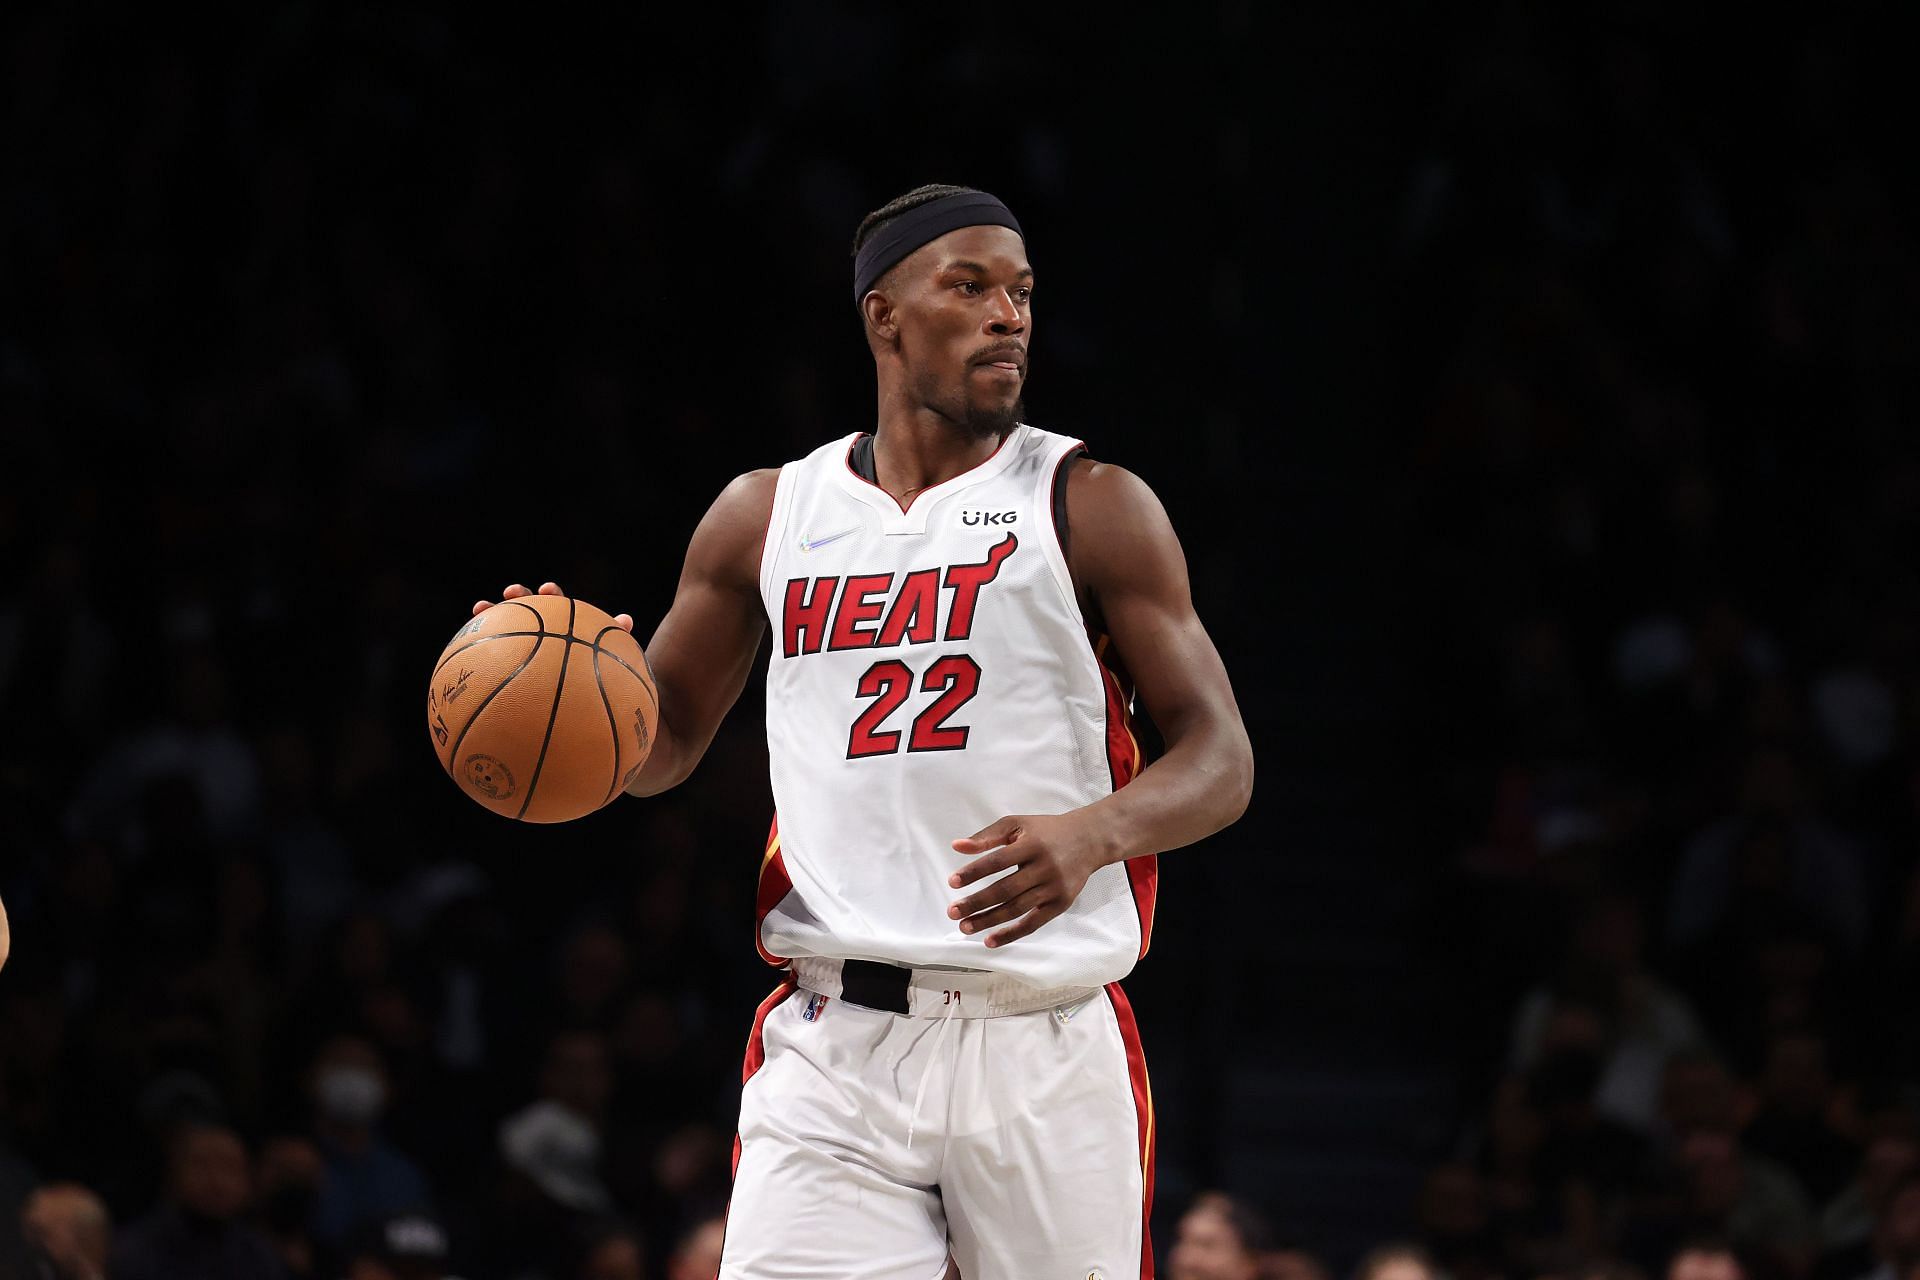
[874, 985]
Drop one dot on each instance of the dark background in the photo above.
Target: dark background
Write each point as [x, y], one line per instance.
[1532, 393]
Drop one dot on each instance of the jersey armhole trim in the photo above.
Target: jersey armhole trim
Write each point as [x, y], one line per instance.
[1052, 490]
[1062, 531]
[777, 516]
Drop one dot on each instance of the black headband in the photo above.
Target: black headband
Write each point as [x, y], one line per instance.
[921, 224]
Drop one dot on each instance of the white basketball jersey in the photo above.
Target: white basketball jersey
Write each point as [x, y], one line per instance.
[931, 672]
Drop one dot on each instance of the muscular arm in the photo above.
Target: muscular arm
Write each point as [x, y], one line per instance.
[703, 649]
[1128, 564]
[1132, 577]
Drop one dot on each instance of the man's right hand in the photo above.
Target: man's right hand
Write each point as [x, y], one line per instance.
[515, 591]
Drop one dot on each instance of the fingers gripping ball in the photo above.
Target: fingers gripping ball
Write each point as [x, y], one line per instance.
[542, 708]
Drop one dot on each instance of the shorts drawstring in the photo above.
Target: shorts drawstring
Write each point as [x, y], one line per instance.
[926, 1074]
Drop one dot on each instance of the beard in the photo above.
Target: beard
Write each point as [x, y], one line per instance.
[974, 419]
[982, 421]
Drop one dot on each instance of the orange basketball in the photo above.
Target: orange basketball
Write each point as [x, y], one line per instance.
[542, 708]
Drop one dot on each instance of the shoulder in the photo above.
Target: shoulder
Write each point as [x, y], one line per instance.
[1106, 484]
[1118, 531]
[1109, 505]
[752, 486]
[742, 509]
[728, 542]
[749, 493]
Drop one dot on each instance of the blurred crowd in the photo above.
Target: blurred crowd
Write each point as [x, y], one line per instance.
[1659, 364]
[320, 323]
[1662, 315]
[282, 1004]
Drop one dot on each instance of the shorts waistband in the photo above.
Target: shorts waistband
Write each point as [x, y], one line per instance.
[928, 993]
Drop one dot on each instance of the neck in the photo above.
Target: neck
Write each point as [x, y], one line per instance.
[916, 448]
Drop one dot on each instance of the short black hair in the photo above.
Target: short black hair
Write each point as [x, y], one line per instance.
[900, 204]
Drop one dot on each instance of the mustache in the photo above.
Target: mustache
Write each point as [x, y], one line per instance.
[1002, 351]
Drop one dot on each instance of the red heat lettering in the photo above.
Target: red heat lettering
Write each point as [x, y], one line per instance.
[965, 581]
[912, 616]
[858, 605]
[805, 617]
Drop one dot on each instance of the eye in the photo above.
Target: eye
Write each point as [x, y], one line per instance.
[968, 287]
[1023, 293]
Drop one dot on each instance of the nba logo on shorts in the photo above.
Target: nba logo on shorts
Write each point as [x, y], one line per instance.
[816, 1005]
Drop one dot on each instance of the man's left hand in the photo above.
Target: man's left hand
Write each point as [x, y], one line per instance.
[1054, 856]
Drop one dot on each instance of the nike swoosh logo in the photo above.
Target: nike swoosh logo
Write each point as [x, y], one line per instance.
[814, 544]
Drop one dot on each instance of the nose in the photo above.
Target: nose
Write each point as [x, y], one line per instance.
[1003, 317]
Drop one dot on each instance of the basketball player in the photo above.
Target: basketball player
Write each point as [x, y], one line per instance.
[962, 864]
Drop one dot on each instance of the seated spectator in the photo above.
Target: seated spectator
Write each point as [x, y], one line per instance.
[1581, 1147]
[292, 1171]
[1707, 1184]
[1793, 1123]
[366, 1178]
[70, 1231]
[555, 1140]
[549, 1151]
[1643, 1020]
[196, 1233]
[1220, 1237]
[1773, 893]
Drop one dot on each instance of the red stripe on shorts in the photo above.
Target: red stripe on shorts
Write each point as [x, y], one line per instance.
[757, 1048]
[1143, 1110]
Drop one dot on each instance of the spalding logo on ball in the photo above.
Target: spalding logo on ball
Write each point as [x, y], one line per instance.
[542, 708]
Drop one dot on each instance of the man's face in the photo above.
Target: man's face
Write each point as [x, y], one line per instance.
[1208, 1249]
[964, 303]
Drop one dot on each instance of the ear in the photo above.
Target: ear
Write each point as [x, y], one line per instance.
[882, 321]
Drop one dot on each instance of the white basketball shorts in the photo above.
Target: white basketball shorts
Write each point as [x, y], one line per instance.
[872, 1144]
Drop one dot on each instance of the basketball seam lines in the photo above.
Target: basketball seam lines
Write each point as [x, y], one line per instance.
[453, 756]
[607, 702]
[550, 635]
[559, 688]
